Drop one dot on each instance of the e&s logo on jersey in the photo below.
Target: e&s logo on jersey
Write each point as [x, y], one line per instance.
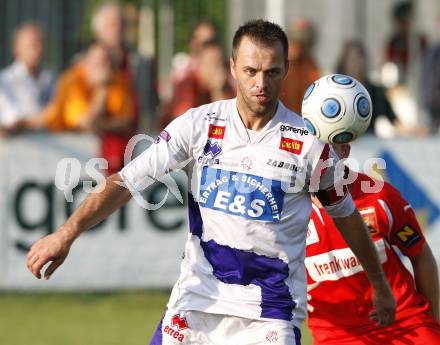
[240, 194]
[291, 145]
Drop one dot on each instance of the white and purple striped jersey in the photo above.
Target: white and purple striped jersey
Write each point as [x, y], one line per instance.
[249, 207]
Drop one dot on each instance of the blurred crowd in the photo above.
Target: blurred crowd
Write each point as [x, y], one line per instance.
[109, 87]
[397, 110]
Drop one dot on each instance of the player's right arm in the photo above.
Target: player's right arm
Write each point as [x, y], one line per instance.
[167, 153]
[339, 204]
[426, 278]
[407, 235]
[356, 234]
[55, 247]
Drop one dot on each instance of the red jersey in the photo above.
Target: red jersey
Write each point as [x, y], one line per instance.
[343, 299]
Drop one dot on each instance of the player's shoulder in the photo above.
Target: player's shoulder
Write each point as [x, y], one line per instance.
[389, 193]
[386, 191]
[392, 196]
[290, 118]
[291, 126]
[195, 123]
[217, 111]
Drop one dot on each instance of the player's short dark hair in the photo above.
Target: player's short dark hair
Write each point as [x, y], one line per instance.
[260, 31]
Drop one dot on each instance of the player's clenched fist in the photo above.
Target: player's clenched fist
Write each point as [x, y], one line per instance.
[52, 248]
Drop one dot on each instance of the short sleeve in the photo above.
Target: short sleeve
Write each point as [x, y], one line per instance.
[328, 177]
[169, 151]
[405, 231]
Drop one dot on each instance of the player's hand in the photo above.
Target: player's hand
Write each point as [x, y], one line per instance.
[53, 248]
[384, 312]
[311, 287]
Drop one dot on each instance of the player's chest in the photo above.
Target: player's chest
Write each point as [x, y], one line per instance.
[323, 236]
[375, 217]
[249, 179]
[272, 156]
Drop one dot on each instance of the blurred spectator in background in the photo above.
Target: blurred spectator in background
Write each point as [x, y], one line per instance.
[303, 69]
[108, 26]
[25, 87]
[214, 79]
[92, 96]
[353, 62]
[202, 77]
[185, 65]
[184, 68]
[430, 84]
[405, 45]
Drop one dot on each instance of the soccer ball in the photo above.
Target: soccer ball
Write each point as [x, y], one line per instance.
[337, 109]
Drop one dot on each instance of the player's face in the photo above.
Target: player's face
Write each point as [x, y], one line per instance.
[259, 71]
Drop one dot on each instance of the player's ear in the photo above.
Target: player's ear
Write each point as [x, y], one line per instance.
[232, 67]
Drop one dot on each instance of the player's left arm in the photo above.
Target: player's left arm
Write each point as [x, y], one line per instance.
[357, 236]
[334, 196]
[426, 277]
[407, 235]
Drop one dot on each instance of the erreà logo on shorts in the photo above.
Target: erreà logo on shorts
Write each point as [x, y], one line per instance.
[291, 145]
[179, 324]
[216, 132]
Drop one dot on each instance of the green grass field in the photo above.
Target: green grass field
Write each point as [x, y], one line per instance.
[125, 318]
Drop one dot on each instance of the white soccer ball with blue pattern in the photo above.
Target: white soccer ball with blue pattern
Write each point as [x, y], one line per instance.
[337, 109]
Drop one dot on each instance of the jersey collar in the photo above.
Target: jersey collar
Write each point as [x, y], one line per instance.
[242, 131]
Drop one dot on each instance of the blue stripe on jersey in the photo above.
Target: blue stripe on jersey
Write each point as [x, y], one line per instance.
[239, 194]
[235, 266]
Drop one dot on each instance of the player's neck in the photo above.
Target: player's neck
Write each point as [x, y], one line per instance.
[252, 120]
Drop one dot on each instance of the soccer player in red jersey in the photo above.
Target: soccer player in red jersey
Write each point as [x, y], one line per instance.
[340, 297]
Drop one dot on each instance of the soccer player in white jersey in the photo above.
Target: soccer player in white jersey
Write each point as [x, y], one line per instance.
[251, 167]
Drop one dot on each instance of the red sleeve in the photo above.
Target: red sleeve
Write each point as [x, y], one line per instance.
[327, 193]
[405, 231]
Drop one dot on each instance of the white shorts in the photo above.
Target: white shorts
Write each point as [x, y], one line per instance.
[199, 328]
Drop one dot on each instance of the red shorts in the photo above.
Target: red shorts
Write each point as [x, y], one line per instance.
[399, 333]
